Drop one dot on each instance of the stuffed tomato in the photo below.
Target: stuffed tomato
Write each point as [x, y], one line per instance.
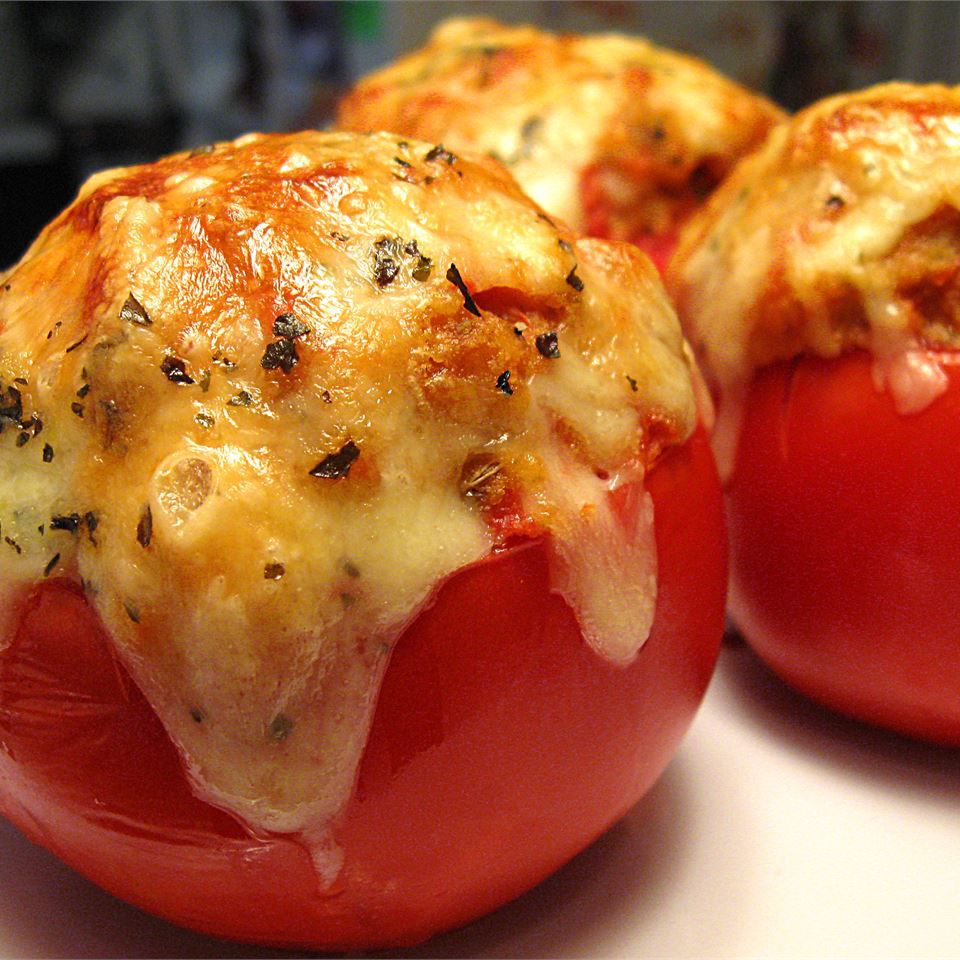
[616, 136]
[364, 559]
[821, 287]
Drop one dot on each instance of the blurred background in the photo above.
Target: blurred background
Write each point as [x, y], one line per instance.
[90, 85]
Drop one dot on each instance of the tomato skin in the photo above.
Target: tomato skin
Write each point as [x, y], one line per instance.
[844, 546]
[501, 746]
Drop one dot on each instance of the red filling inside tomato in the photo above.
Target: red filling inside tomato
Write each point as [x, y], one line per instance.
[844, 546]
[627, 217]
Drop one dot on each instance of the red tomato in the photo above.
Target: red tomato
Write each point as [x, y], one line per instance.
[845, 555]
[658, 247]
[501, 746]
[608, 220]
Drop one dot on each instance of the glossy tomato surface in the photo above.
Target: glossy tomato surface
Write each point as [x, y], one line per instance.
[501, 746]
[845, 553]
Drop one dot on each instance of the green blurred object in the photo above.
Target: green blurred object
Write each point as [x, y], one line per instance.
[362, 19]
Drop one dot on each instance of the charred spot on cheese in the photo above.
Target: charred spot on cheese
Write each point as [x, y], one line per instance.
[145, 526]
[205, 420]
[273, 571]
[83, 391]
[133, 312]
[634, 386]
[548, 345]
[338, 236]
[132, 611]
[439, 152]
[565, 245]
[334, 466]
[280, 354]
[47, 453]
[10, 542]
[453, 275]
[574, 281]
[77, 343]
[175, 370]
[503, 383]
[197, 715]
[51, 565]
[835, 202]
[350, 568]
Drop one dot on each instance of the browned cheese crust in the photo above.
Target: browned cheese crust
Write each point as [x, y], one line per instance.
[583, 122]
[842, 232]
[262, 398]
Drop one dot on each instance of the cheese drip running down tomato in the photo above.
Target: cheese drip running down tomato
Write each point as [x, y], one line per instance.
[820, 289]
[360, 539]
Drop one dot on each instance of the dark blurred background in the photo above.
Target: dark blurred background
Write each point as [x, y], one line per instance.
[90, 85]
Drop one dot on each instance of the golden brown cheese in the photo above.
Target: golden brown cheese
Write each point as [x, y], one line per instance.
[263, 398]
[585, 123]
[842, 232]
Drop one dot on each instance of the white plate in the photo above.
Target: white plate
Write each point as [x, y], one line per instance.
[778, 831]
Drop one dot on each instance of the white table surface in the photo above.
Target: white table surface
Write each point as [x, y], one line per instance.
[778, 831]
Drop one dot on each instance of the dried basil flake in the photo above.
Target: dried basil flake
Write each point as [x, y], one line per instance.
[242, 399]
[439, 152]
[289, 327]
[145, 527]
[453, 275]
[548, 345]
[574, 280]
[175, 370]
[386, 262]
[280, 354]
[337, 465]
[133, 312]
[69, 522]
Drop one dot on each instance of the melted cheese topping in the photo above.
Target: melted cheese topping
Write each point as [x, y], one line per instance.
[245, 395]
[841, 232]
[654, 130]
